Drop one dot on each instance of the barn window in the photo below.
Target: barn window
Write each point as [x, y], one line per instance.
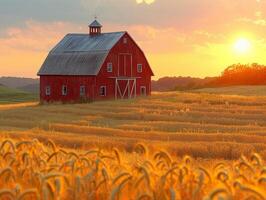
[125, 40]
[143, 90]
[103, 91]
[82, 90]
[109, 67]
[64, 90]
[47, 90]
[139, 68]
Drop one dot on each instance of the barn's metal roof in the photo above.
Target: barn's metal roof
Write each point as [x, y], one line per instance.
[95, 23]
[79, 54]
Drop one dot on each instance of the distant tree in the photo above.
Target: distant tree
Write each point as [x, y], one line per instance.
[239, 74]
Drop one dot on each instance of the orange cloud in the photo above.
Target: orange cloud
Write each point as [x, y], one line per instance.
[23, 50]
[36, 37]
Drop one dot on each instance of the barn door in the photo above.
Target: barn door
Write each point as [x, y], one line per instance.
[125, 65]
[125, 88]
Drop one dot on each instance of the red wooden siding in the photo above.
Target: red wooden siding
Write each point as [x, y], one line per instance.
[73, 84]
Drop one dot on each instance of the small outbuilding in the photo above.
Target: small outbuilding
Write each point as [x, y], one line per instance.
[95, 66]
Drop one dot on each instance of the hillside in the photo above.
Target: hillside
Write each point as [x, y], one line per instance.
[32, 88]
[10, 95]
[15, 82]
[26, 84]
[179, 83]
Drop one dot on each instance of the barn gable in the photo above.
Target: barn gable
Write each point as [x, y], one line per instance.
[79, 54]
[144, 56]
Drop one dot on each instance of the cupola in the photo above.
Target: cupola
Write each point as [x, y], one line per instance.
[95, 28]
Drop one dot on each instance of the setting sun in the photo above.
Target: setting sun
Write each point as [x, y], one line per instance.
[145, 1]
[242, 46]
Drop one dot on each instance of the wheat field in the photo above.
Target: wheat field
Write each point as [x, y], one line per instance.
[201, 125]
[32, 170]
[208, 146]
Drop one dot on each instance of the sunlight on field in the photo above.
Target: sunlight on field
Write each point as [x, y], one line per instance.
[17, 105]
[236, 90]
[201, 125]
[35, 170]
[136, 149]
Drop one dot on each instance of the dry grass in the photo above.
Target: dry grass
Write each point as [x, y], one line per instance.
[223, 135]
[203, 125]
[233, 90]
[34, 170]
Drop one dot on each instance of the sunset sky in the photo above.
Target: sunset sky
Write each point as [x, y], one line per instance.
[180, 37]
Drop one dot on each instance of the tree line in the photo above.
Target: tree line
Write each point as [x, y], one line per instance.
[236, 74]
[241, 74]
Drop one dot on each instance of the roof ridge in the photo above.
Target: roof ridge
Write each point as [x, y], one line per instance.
[79, 51]
[99, 34]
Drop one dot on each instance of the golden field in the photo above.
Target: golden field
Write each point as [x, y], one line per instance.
[32, 170]
[168, 146]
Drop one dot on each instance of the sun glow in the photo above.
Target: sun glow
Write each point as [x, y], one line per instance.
[242, 46]
[145, 1]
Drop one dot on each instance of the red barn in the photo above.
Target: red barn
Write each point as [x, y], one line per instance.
[88, 67]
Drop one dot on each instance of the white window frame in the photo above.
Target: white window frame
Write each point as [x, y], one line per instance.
[125, 40]
[109, 67]
[139, 68]
[101, 87]
[64, 90]
[145, 89]
[48, 90]
[82, 90]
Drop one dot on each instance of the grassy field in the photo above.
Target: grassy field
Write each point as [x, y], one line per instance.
[221, 134]
[236, 90]
[8, 95]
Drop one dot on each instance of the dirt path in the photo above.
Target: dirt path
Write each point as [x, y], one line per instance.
[17, 105]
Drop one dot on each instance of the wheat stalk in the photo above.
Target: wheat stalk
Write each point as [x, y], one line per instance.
[30, 193]
[120, 176]
[7, 173]
[117, 155]
[216, 192]
[256, 159]
[116, 192]
[11, 144]
[20, 144]
[144, 197]
[262, 180]
[252, 190]
[7, 193]
[52, 144]
[141, 148]
[205, 171]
